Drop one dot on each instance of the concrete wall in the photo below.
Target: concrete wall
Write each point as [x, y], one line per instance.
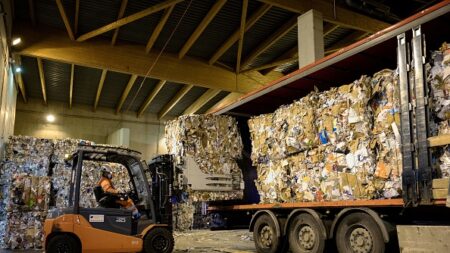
[146, 133]
[8, 90]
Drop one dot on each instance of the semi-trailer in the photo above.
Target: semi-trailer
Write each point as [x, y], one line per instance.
[416, 219]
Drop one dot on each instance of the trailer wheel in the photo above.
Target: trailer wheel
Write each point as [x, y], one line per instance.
[158, 240]
[305, 236]
[265, 236]
[359, 233]
[63, 244]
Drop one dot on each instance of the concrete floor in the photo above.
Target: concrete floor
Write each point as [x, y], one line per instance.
[203, 241]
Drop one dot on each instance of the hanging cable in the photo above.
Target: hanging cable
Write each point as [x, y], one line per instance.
[159, 55]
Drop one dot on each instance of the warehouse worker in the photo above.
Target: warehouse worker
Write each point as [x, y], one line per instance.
[107, 186]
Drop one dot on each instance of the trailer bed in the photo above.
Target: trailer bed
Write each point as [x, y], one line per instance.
[323, 204]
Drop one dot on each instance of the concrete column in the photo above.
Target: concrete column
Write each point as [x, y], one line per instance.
[310, 37]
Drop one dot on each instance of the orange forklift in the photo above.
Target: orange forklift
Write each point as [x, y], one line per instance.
[109, 228]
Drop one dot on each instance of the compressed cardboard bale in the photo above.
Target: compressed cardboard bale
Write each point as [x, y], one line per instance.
[305, 173]
[273, 182]
[343, 114]
[385, 102]
[290, 129]
[213, 141]
[444, 162]
[64, 148]
[198, 196]
[61, 184]
[439, 79]
[19, 147]
[295, 126]
[183, 216]
[203, 136]
[389, 164]
[24, 230]
[444, 127]
[29, 193]
[36, 166]
[262, 135]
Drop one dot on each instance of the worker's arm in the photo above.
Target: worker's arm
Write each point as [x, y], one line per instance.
[107, 187]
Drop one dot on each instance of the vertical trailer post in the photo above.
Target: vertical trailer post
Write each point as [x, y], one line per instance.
[409, 171]
[422, 117]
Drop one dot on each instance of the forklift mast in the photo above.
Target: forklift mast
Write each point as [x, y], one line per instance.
[161, 169]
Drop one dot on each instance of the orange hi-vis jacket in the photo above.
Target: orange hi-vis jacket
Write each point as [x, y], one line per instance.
[107, 186]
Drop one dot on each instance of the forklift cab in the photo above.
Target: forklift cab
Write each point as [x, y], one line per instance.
[109, 228]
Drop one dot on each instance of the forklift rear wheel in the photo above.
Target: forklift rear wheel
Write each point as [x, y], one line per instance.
[305, 236]
[63, 244]
[358, 232]
[158, 240]
[264, 234]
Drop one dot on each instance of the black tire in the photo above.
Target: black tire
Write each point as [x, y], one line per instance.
[358, 232]
[305, 236]
[63, 244]
[158, 240]
[264, 235]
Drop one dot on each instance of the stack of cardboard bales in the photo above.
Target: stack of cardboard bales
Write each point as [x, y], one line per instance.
[89, 178]
[35, 176]
[386, 138]
[439, 79]
[341, 146]
[25, 191]
[214, 142]
[288, 131]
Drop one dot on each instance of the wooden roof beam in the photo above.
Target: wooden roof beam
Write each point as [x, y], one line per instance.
[272, 64]
[174, 101]
[241, 35]
[42, 78]
[77, 14]
[271, 40]
[201, 27]
[100, 88]
[235, 36]
[53, 44]
[72, 73]
[328, 28]
[201, 101]
[151, 97]
[126, 92]
[155, 34]
[344, 17]
[19, 79]
[65, 19]
[31, 11]
[126, 20]
[229, 99]
[123, 7]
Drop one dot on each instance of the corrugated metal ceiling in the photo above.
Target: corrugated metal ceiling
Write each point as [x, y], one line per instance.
[187, 100]
[139, 93]
[265, 26]
[57, 80]
[112, 89]
[213, 101]
[94, 14]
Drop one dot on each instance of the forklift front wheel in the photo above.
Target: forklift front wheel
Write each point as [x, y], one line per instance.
[158, 240]
[63, 244]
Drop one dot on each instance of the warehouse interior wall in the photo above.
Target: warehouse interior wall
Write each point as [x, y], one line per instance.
[8, 89]
[146, 132]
